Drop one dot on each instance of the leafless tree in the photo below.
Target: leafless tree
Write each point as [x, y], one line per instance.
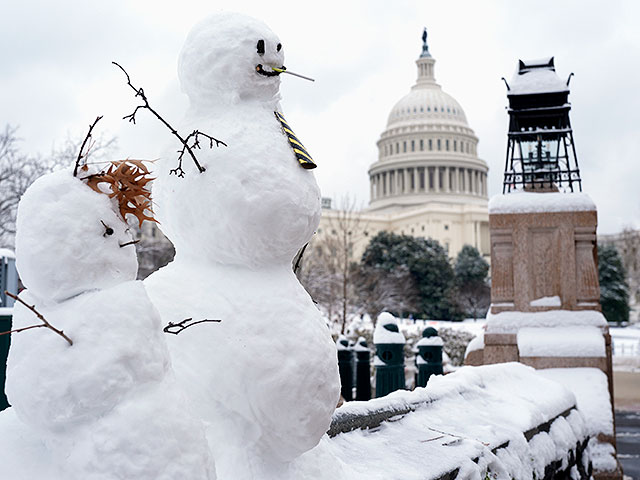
[19, 170]
[380, 290]
[327, 268]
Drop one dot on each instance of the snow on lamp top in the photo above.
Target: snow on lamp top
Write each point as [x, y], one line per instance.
[387, 330]
[230, 57]
[536, 76]
[69, 238]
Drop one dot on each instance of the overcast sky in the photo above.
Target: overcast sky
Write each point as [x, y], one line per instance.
[56, 76]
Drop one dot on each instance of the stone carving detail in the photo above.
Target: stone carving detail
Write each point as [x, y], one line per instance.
[588, 289]
[502, 266]
[543, 262]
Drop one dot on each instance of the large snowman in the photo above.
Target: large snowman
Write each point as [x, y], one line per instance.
[266, 376]
[103, 404]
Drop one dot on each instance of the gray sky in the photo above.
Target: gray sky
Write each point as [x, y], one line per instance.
[56, 76]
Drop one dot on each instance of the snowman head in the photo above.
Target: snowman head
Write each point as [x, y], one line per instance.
[70, 239]
[230, 57]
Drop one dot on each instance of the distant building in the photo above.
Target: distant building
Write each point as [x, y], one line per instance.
[428, 180]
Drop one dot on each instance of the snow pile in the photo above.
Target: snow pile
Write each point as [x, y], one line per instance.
[265, 379]
[106, 406]
[511, 322]
[476, 343]
[582, 341]
[461, 417]
[530, 202]
[387, 330]
[591, 388]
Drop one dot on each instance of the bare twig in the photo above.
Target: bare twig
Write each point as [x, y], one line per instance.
[84, 143]
[176, 328]
[44, 324]
[184, 141]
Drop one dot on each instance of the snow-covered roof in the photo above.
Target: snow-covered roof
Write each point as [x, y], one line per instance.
[530, 202]
[511, 322]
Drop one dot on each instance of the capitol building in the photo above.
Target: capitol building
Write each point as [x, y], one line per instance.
[428, 180]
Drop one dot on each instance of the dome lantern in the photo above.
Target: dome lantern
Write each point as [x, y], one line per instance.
[425, 63]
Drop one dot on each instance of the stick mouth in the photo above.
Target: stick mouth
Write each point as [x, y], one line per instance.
[274, 73]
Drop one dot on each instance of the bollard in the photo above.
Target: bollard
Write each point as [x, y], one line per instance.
[9, 282]
[429, 358]
[363, 370]
[345, 367]
[389, 360]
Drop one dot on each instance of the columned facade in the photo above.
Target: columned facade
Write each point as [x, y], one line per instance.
[427, 180]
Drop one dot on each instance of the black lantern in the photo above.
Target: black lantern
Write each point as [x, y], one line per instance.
[541, 155]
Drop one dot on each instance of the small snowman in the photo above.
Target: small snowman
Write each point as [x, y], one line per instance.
[266, 376]
[104, 402]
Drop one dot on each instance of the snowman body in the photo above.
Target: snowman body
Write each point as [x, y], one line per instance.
[107, 406]
[265, 377]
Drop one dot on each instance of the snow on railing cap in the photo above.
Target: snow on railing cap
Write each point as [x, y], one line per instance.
[530, 202]
[342, 343]
[430, 341]
[361, 345]
[384, 335]
[6, 253]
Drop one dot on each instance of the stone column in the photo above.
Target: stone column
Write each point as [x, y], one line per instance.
[407, 185]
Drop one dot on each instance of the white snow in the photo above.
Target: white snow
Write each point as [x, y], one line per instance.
[476, 343]
[106, 406]
[459, 417]
[382, 335]
[6, 253]
[361, 345]
[511, 322]
[265, 379]
[538, 80]
[590, 386]
[342, 343]
[530, 202]
[582, 341]
[429, 341]
[546, 302]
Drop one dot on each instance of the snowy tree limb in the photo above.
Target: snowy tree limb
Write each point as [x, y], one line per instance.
[45, 323]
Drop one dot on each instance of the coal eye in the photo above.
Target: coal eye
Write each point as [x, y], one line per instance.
[279, 47]
[107, 229]
[261, 47]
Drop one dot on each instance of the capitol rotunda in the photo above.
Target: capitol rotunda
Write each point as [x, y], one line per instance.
[428, 180]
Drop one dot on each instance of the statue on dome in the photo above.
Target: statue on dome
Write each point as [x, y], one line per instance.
[425, 47]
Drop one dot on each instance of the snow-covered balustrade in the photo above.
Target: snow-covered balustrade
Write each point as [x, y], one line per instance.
[506, 421]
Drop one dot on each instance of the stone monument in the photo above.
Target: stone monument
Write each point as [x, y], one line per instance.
[545, 295]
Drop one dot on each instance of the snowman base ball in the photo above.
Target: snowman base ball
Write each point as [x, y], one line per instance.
[265, 378]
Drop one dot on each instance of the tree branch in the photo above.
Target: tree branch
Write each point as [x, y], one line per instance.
[176, 328]
[186, 148]
[86, 139]
[44, 324]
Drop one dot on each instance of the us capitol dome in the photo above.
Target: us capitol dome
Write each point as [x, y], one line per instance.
[428, 180]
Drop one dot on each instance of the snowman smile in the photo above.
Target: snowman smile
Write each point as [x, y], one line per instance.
[273, 73]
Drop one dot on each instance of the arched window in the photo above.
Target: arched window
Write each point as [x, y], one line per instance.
[446, 143]
[439, 145]
[430, 144]
[421, 144]
[413, 145]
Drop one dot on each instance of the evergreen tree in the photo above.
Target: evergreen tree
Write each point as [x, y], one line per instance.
[614, 291]
[428, 264]
[471, 277]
